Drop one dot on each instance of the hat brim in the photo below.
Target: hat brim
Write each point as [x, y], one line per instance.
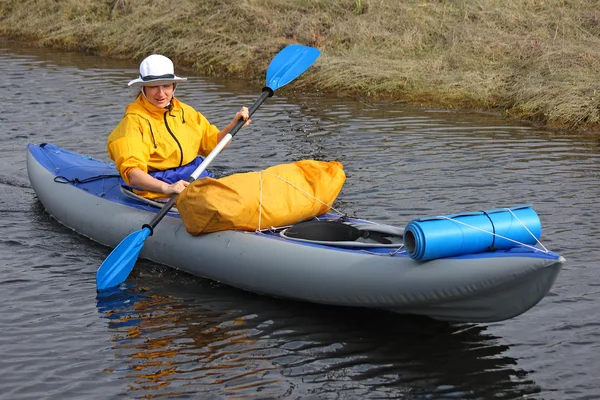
[139, 82]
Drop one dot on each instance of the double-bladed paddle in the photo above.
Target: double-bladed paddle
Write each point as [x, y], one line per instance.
[287, 65]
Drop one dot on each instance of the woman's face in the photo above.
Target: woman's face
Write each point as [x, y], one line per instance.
[160, 96]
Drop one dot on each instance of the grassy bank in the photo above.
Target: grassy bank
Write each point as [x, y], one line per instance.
[528, 59]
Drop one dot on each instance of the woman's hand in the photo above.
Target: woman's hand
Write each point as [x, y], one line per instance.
[144, 181]
[176, 188]
[242, 114]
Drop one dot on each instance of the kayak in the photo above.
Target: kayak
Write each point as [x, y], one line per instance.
[370, 269]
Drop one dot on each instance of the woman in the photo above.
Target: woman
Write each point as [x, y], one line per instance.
[156, 144]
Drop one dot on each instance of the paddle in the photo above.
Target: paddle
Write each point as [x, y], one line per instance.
[287, 65]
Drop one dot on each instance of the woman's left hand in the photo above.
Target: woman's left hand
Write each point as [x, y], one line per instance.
[243, 114]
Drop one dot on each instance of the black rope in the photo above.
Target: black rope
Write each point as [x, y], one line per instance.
[62, 179]
[491, 247]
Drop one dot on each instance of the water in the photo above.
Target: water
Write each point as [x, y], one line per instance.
[174, 335]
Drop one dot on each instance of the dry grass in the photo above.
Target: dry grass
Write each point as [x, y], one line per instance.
[530, 59]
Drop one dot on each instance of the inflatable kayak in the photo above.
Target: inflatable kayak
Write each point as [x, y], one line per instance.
[345, 262]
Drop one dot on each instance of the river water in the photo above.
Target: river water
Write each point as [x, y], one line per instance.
[169, 334]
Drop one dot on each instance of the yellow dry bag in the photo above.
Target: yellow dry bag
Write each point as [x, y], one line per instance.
[277, 196]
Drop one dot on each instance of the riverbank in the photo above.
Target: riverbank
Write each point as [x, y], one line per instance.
[531, 60]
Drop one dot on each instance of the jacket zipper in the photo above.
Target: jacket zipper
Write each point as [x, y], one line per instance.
[152, 133]
[176, 141]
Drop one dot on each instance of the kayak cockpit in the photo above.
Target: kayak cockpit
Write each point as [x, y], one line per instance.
[343, 232]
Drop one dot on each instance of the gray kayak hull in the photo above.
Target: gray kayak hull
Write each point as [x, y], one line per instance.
[467, 289]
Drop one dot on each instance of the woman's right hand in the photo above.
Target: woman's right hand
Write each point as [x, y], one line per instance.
[175, 188]
[244, 114]
[144, 181]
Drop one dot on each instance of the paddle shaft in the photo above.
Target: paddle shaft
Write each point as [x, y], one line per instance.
[267, 92]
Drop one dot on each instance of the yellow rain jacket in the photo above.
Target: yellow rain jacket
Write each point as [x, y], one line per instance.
[153, 139]
[277, 196]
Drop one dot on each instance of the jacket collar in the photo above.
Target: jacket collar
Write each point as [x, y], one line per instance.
[141, 104]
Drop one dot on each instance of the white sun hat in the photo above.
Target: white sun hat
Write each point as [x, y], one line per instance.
[156, 70]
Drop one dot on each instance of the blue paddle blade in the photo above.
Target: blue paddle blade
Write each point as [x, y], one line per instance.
[289, 64]
[119, 263]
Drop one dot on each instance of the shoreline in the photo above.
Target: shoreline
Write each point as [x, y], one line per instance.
[538, 63]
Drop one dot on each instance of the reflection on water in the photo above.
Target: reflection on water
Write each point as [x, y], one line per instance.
[254, 347]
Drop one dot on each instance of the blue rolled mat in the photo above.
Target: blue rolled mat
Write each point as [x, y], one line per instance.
[471, 232]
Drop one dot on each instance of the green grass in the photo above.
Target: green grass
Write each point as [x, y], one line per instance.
[528, 59]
